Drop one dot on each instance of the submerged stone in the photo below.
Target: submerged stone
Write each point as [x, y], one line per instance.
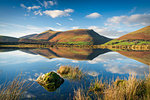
[50, 81]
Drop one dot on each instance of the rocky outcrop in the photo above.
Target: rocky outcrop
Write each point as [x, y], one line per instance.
[50, 81]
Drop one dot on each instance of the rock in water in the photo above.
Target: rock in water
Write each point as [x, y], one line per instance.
[50, 81]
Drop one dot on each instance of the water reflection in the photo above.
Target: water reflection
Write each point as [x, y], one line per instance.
[95, 62]
[70, 53]
[111, 61]
[141, 56]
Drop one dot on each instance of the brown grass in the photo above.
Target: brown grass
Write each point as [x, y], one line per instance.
[127, 89]
[143, 33]
[14, 90]
[70, 72]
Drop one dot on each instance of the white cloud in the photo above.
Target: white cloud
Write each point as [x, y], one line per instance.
[33, 7]
[52, 3]
[30, 8]
[58, 24]
[22, 5]
[47, 3]
[17, 30]
[69, 10]
[75, 27]
[133, 20]
[58, 13]
[38, 12]
[112, 62]
[93, 15]
[105, 31]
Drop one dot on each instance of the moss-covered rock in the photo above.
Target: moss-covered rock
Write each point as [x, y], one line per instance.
[50, 81]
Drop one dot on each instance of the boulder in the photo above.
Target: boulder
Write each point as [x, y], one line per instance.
[50, 81]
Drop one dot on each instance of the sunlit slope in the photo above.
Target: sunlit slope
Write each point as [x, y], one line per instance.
[47, 35]
[77, 36]
[143, 33]
[139, 37]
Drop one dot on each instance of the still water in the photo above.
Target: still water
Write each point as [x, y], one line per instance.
[101, 63]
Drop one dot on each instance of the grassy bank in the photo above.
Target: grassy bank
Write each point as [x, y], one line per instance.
[128, 42]
[130, 88]
[112, 47]
[127, 89]
[74, 43]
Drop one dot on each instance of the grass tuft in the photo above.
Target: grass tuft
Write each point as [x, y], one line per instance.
[70, 72]
[14, 90]
[127, 89]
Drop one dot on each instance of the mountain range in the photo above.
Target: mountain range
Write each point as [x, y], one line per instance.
[76, 36]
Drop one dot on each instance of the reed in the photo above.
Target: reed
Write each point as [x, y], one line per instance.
[127, 89]
[15, 89]
[70, 72]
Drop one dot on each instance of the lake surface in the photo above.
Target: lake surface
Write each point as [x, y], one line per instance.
[101, 63]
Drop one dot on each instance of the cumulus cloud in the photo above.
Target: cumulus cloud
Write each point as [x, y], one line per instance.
[33, 7]
[47, 3]
[52, 3]
[93, 15]
[58, 13]
[105, 31]
[133, 20]
[38, 12]
[30, 7]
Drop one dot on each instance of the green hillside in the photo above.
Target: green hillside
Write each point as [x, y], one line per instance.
[139, 37]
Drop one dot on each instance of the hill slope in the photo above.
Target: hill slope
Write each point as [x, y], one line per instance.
[8, 39]
[12, 40]
[45, 35]
[143, 33]
[72, 37]
[139, 37]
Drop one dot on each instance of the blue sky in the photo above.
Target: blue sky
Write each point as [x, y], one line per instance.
[111, 18]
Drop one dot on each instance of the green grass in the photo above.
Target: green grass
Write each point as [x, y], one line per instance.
[128, 42]
[76, 43]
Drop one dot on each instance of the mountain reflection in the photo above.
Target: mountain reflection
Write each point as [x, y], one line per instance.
[141, 56]
[76, 53]
[65, 52]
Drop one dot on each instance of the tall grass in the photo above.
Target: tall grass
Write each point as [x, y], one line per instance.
[127, 89]
[14, 90]
[70, 72]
